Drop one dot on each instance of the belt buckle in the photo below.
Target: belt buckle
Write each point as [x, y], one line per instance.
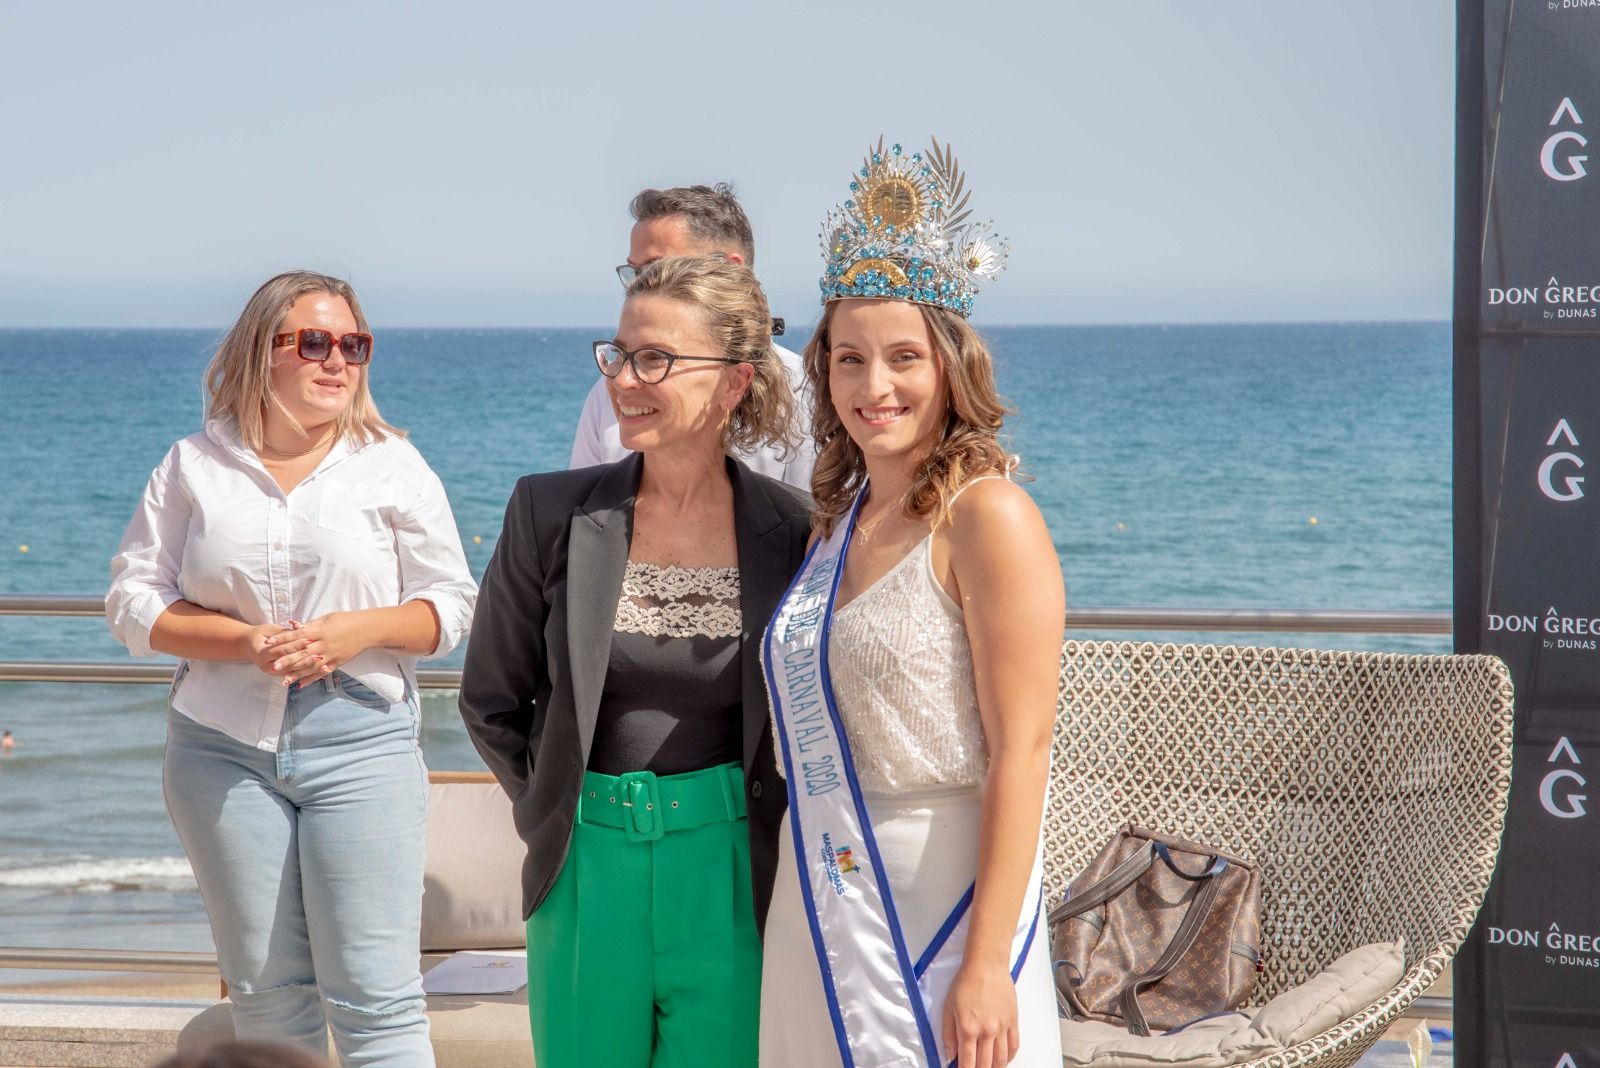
[642, 822]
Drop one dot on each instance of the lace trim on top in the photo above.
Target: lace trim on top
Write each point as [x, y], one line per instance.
[680, 602]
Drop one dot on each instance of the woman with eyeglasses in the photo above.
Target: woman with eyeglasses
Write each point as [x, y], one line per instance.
[613, 686]
[299, 556]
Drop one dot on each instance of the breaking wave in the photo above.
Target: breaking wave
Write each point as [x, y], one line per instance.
[103, 875]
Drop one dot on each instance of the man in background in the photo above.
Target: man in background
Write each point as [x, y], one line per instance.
[693, 220]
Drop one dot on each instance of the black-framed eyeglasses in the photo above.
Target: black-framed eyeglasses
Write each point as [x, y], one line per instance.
[649, 365]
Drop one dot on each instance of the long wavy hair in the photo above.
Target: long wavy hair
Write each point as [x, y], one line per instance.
[968, 445]
[239, 379]
[734, 308]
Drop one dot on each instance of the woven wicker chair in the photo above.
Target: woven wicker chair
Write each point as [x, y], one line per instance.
[1370, 787]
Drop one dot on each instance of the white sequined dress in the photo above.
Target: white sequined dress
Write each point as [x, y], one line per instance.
[903, 683]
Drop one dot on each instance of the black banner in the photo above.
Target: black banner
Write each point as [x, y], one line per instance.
[1527, 504]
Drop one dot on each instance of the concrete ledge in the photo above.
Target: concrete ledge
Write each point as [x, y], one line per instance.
[38, 1031]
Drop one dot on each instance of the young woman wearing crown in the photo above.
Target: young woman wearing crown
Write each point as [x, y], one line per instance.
[913, 667]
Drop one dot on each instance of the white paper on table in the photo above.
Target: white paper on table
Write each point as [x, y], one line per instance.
[478, 971]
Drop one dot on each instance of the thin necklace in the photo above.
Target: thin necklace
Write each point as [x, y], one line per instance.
[279, 454]
[866, 530]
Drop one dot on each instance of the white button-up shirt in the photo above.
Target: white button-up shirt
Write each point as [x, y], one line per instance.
[369, 528]
[599, 441]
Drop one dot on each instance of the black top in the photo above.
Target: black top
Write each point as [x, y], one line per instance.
[670, 705]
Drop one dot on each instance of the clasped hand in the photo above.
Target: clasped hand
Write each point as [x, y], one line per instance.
[306, 652]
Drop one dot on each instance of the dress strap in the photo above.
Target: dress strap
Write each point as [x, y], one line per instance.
[981, 478]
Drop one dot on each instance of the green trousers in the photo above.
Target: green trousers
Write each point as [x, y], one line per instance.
[645, 954]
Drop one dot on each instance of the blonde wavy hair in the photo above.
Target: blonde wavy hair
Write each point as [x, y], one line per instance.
[734, 308]
[238, 382]
[968, 445]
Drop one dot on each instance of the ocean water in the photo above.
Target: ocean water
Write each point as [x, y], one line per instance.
[1288, 466]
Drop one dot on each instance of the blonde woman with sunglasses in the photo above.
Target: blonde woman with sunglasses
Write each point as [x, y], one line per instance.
[299, 556]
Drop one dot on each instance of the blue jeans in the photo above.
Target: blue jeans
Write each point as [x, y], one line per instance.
[313, 852]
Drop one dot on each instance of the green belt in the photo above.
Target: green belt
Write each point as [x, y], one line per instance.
[647, 805]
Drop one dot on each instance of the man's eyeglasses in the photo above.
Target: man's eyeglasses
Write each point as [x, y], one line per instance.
[627, 272]
[310, 344]
[649, 365]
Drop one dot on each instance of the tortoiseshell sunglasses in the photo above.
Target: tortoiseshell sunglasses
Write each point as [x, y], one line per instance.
[312, 344]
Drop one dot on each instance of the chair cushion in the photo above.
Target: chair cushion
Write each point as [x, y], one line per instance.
[1330, 997]
[1333, 995]
[472, 884]
[1213, 1043]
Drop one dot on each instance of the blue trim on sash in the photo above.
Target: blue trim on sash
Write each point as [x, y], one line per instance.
[828, 990]
[902, 954]
[946, 929]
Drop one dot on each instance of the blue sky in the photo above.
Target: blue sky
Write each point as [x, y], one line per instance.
[470, 164]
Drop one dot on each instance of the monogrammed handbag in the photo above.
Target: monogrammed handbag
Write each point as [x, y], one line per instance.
[1157, 932]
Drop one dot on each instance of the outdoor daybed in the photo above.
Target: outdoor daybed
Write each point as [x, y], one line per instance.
[1369, 787]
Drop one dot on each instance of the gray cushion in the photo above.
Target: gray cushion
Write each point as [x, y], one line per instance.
[1333, 995]
[1330, 997]
[1214, 1043]
[472, 884]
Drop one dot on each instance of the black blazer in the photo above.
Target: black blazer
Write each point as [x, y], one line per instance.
[541, 643]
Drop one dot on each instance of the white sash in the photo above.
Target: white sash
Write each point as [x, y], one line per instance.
[882, 994]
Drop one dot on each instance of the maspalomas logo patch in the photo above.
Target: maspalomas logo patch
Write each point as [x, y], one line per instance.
[836, 863]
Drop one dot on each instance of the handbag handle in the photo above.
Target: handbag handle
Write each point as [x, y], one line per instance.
[1205, 900]
[1120, 878]
[1218, 865]
[1096, 894]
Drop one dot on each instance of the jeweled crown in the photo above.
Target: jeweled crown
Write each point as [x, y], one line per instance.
[904, 233]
